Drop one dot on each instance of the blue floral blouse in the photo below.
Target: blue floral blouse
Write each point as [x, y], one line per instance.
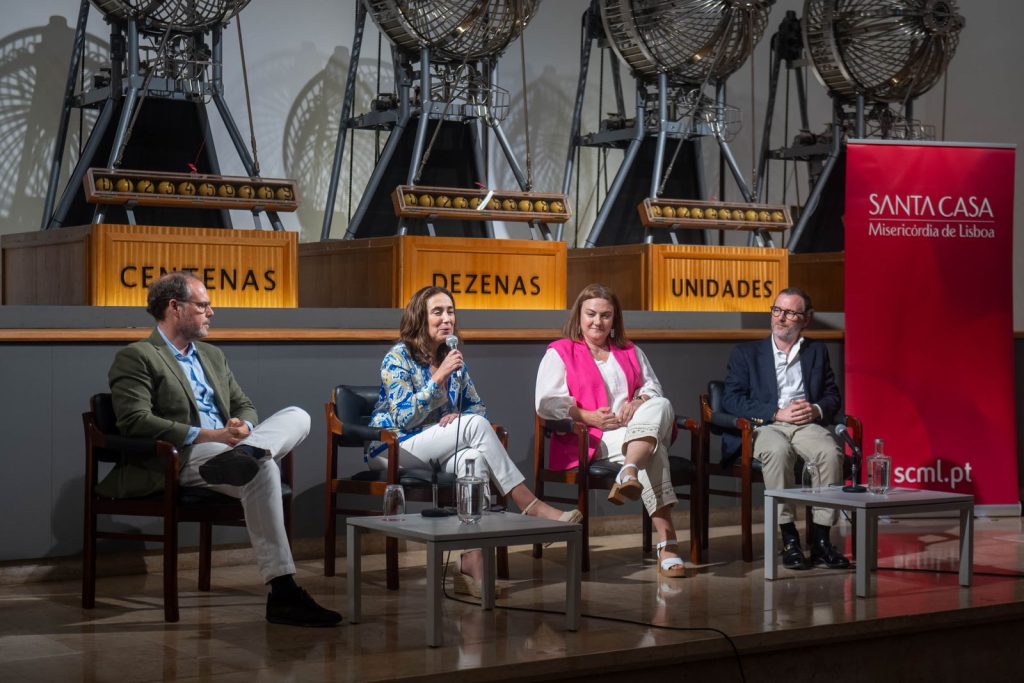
[410, 401]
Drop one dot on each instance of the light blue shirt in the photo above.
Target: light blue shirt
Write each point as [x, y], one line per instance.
[209, 415]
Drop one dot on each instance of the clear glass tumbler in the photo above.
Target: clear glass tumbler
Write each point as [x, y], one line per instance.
[810, 480]
[394, 502]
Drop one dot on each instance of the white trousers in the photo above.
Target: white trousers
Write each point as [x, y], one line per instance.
[777, 447]
[476, 439]
[261, 497]
[653, 419]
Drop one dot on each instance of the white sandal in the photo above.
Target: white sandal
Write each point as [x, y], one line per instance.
[626, 487]
[672, 567]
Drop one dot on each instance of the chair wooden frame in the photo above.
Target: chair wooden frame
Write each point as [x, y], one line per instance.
[170, 505]
[742, 469]
[358, 435]
[602, 479]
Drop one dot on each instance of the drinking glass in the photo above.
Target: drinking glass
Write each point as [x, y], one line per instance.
[809, 480]
[394, 502]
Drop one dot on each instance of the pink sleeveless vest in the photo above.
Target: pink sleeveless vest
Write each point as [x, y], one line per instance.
[587, 386]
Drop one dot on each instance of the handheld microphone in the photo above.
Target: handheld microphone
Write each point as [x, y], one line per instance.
[453, 343]
[855, 485]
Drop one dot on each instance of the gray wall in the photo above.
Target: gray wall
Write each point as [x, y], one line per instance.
[47, 387]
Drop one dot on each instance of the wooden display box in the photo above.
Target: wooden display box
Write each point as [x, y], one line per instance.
[667, 277]
[283, 193]
[112, 265]
[384, 272]
[406, 209]
[767, 217]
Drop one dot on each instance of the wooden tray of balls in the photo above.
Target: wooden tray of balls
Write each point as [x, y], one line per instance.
[703, 215]
[463, 204]
[191, 190]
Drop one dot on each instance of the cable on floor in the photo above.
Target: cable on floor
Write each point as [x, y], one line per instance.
[600, 617]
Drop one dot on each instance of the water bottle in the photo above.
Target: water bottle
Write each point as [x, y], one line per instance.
[879, 470]
[470, 496]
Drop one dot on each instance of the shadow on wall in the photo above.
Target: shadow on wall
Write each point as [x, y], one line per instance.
[33, 72]
[310, 136]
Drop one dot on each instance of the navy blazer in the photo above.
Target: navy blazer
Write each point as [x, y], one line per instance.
[752, 391]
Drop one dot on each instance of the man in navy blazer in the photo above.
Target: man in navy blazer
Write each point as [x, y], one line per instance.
[785, 387]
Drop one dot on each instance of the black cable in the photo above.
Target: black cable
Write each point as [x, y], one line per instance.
[600, 617]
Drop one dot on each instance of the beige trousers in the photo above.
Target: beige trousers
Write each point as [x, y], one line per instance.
[777, 447]
[653, 419]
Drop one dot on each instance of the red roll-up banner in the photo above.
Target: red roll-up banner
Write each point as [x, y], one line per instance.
[929, 314]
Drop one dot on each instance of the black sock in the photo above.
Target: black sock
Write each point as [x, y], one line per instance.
[820, 532]
[789, 533]
[283, 586]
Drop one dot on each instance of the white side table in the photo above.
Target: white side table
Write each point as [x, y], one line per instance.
[868, 508]
[447, 533]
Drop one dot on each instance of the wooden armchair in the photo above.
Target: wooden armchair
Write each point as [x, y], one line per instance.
[601, 475]
[715, 421]
[347, 414]
[174, 505]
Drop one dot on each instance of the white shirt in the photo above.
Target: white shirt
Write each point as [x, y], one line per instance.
[553, 400]
[788, 375]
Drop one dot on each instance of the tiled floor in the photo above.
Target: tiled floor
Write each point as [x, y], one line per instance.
[46, 636]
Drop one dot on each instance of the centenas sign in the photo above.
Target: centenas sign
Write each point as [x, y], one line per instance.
[240, 268]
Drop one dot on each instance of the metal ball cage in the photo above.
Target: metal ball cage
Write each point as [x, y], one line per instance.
[454, 30]
[693, 41]
[882, 50]
[179, 15]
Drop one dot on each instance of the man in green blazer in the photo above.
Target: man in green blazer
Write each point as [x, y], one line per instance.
[176, 388]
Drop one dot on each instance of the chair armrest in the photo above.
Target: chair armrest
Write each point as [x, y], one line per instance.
[727, 421]
[563, 426]
[687, 423]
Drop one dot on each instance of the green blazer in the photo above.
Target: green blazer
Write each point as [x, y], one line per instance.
[153, 400]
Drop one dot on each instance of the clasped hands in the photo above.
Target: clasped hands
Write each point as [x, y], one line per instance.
[232, 433]
[799, 412]
[605, 420]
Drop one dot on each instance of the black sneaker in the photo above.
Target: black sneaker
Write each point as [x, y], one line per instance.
[235, 467]
[298, 608]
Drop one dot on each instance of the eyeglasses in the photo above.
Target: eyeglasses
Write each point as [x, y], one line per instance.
[203, 306]
[790, 315]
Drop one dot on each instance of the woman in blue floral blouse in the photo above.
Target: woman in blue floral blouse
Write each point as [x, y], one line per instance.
[424, 383]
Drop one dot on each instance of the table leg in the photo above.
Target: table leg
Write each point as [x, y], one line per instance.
[966, 545]
[865, 552]
[770, 556]
[353, 561]
[573, 589]
[487, 589]
[433, 595]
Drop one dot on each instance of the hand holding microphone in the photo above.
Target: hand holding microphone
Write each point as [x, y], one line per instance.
[454, 357]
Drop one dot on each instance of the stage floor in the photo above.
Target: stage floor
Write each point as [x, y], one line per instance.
[46, 636]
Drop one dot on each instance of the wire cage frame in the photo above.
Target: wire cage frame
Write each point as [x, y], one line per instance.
[693, 41]
[178, 15]
[883, 50]
[454, 30]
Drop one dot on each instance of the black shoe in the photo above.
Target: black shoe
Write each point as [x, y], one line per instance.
[824, 554]
[297, 608]
[793, 555]
[235, 468]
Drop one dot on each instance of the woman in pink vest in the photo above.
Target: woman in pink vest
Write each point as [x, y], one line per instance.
[596, 376]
